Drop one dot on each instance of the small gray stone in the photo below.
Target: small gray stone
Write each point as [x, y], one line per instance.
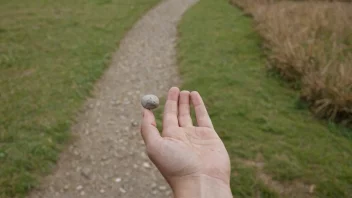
[146, 165]
[122, 190]
[154, 185]
[117, 180]
[150, 101]
[78, 169]
[76, 152]
[168, 193]
[122, 117]
[86, 173]
[134, 123]
[80, 187]
[154, 192]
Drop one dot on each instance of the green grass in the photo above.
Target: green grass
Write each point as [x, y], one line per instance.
[51, 53]
[255, 113]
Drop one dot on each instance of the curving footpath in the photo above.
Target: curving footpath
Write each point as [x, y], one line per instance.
[107, 158]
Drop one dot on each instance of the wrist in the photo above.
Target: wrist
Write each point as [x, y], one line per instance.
[201, 186]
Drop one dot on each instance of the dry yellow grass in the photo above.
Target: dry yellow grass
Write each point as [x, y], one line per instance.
[310, 42]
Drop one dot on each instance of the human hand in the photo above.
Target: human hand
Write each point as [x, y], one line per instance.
[193, 159]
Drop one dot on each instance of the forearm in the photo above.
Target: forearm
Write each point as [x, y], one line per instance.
[201, 187]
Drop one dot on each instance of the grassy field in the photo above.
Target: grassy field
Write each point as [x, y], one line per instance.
[276, 147]
[51, 53]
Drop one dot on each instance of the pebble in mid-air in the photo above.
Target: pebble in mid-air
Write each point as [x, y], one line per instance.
[150, 101]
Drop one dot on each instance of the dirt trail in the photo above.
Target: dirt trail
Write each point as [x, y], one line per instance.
[108, 159]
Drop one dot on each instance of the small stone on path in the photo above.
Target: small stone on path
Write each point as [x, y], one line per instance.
[80, 187]
[134, 123]
[117, 180]
[153, 185]
[122, 190]
[86, 173]
[146, 164]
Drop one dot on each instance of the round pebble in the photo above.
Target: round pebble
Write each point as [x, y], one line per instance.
[150, 101]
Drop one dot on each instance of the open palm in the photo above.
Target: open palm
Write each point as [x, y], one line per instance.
[184, 150]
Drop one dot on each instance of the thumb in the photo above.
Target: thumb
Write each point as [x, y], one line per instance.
[149, 131]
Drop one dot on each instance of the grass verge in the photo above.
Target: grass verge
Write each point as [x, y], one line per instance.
[310, 44]
[276, 147]
[51, 53]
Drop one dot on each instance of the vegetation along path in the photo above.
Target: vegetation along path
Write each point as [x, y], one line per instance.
[108, 159]
[277, 148]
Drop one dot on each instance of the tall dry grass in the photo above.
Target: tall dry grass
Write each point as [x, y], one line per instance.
[310, 42]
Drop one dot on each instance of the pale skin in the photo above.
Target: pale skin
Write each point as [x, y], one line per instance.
[192, 159]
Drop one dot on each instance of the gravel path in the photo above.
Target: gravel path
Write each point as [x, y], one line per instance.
[108, 159]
